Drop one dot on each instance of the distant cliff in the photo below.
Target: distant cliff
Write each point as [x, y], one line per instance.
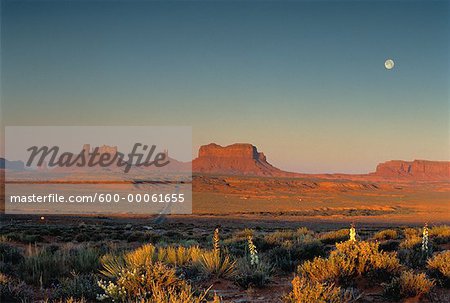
[417, 169]
[244, 159]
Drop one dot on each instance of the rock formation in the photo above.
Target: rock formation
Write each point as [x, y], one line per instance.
[236, 159]
[417, 169]
[244, 159]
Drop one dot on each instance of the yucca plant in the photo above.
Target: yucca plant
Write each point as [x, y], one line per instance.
[251, 270]
[352, 233]
[425, 248]
[138, 277]
[179, 255]
[215, 262]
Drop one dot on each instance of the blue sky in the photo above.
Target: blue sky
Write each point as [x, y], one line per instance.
[304, 81]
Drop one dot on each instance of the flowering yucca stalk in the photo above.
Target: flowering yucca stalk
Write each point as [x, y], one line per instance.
[215, 262]
[216, 240]
[254, 259]
[425, 248]
[352, 233]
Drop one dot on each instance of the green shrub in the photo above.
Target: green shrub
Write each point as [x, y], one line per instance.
[78, 287]
[289, 255]
[10, 254]
[44, 266]
[248, 275]
[83, 259]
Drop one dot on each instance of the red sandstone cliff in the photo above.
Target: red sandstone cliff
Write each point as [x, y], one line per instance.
[417, 169]
[244, 159]
[236, 159]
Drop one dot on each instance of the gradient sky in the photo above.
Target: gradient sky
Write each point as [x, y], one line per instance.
[303, 81]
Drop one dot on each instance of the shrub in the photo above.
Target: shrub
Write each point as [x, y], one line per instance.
[413, 258]
[79, 287]
[10, 256]
[149, 282]
[349, 260]
[13, 290]
[43, 266]
[83, 259]
[289, 255]
[333, 237]
[387, 234]
[9, 253]
[439, 266]
[440, 234]
[306, 291]
[248, 275]
[409, 284]
[179, 255]
[411, 242]
[389, 245]
[411, 232]
[68, 300]
[215, 262]
[281, 236]
[252, 270]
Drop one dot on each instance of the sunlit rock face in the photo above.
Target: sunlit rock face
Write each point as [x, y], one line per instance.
[239, 159]
[417, 169]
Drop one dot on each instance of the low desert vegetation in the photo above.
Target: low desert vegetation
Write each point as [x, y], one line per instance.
[332, 237]
[409, 284]
[156, 264]
[350, 260]
[439, 267]
[387, 234]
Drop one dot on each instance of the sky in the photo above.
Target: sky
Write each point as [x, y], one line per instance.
[303, 81]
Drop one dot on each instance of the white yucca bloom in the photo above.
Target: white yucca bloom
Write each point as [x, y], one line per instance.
[254, 259]
[352, 233]
[425, 238]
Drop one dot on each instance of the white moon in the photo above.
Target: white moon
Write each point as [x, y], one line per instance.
[389, 64]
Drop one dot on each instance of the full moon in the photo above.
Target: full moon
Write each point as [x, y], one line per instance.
[389, 64]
